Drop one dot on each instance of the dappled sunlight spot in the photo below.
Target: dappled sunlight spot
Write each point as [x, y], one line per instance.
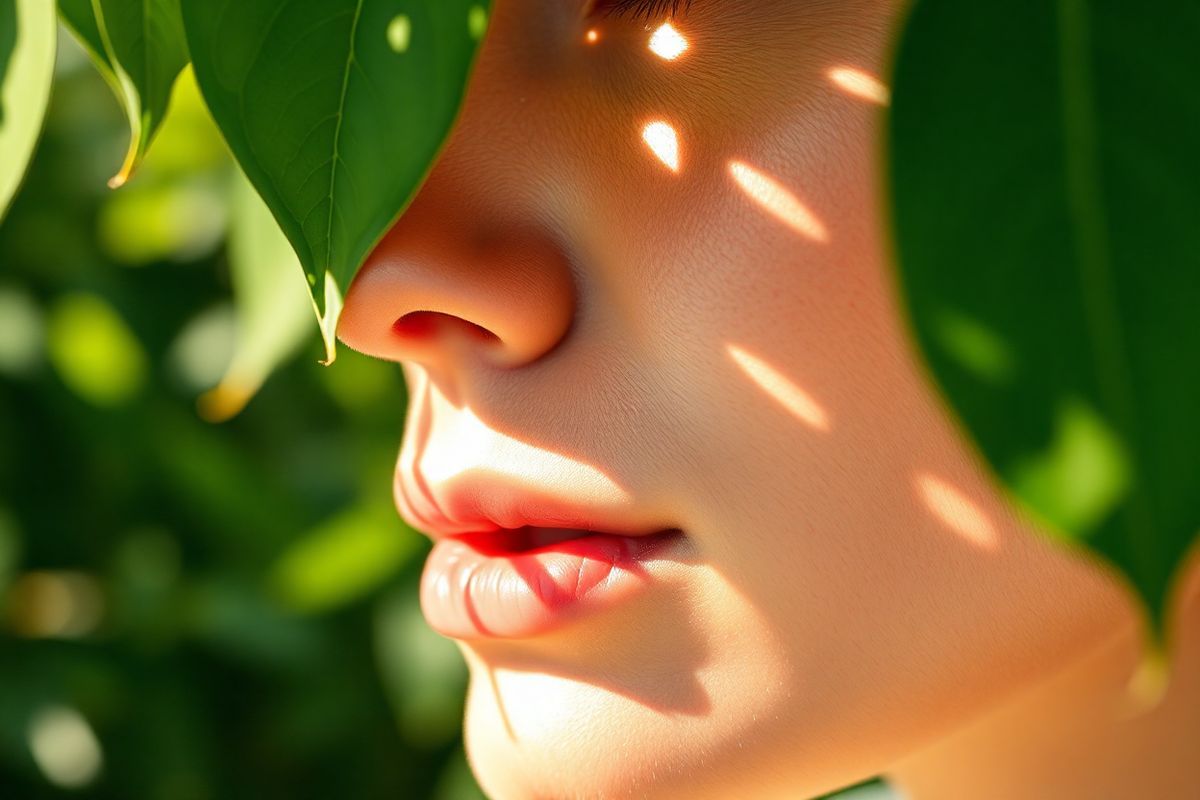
[778, 201]
[668, 43]
[778, 386]
[65, 747]
[663, 141]
[958, 512]
[860, 84]
[399, 33]
[1082, 476]
[477, 20]
[975, 346]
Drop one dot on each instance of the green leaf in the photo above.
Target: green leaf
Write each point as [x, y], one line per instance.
[1046, 191]
[27, 45]
[335, 110]
[272, 304]
[139, 48]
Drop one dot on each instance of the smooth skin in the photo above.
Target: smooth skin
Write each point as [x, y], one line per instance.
[714, 329]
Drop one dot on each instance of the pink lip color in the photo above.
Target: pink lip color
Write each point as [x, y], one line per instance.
[478, 585]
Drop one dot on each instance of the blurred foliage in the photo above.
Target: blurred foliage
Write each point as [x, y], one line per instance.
[192, 610]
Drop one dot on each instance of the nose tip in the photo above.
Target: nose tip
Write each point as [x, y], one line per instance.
[432, 298]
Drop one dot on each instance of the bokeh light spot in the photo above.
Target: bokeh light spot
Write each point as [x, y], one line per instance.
[94, 351]
[22, 332]
[55, 604]
[65, 747]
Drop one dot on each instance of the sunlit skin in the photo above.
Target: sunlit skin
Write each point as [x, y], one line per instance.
[720, 348]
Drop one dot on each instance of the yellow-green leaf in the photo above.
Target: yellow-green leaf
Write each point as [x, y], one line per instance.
[27, 46]
[139, 48]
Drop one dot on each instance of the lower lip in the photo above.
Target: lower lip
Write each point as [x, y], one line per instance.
[470, 589]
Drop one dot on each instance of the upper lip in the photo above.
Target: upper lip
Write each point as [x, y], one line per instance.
[479, 501]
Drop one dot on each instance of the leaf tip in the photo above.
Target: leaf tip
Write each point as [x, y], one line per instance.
[329, 319]
[132, 159]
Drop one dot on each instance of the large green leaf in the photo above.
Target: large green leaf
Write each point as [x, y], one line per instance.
[27, 43]
[1046, 193]
[335, 109]
[139, 48]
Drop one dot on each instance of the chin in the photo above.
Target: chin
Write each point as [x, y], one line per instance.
[550, 737]
[538, 727]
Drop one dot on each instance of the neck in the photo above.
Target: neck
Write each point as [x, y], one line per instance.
[1081, 734]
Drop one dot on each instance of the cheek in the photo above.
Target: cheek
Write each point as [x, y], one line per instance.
[847, 525]
[864, 587]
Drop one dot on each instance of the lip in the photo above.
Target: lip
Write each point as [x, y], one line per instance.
[510, 564]
[470, 589]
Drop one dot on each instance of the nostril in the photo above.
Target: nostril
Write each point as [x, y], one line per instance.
[423, 325]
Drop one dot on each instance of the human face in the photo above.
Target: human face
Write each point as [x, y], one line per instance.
[649, 289]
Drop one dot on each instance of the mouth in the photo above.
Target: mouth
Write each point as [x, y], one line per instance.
[527, 581]
[526, 539]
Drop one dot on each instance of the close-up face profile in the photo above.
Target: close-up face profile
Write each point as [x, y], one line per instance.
[702, 527]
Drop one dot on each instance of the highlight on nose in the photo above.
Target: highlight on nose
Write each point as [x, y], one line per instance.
[430, 296]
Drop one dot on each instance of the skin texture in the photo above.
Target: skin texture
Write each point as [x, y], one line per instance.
[721, 341]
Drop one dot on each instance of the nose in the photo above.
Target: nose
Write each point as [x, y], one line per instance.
[453, 281]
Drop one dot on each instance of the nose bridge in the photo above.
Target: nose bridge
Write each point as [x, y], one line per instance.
[466, 272]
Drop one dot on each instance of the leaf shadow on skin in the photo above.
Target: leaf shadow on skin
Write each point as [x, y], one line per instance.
[8, 42]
